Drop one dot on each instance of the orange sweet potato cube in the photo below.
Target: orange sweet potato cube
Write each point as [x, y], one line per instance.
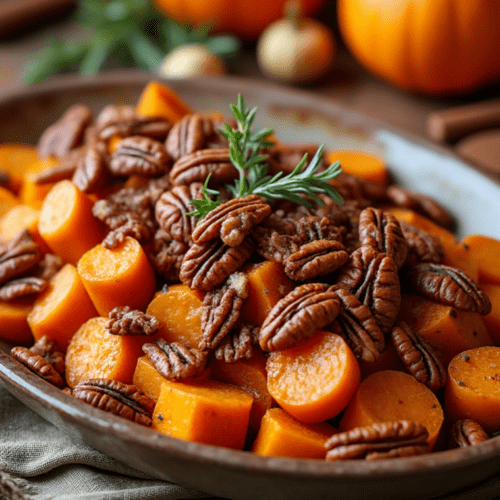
[250, 375]
[447, 329]
[205, 411]
[159, 100]
[148, 378]
[280, 435]
[268, 283]
[486, 251]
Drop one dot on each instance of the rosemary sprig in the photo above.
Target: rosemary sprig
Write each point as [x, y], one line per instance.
[244, 148]
[123, 33]
[245, 154]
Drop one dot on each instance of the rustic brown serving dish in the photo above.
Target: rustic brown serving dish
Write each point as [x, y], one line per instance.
[297, 117]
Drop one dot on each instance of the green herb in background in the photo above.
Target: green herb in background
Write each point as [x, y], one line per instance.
[244, 152]
[129, 32]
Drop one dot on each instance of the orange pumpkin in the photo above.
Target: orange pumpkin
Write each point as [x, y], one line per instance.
[434, 47]
[240, 17]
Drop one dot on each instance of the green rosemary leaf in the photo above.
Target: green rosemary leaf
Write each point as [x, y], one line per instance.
[59, 56]
[96, 56]
[224, 45]
[145, 53]
[207, 204]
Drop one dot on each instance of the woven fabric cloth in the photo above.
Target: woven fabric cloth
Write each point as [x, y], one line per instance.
[38, 461]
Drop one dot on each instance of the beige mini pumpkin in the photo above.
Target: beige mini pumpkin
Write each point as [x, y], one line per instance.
[191, 60]
[296, 50]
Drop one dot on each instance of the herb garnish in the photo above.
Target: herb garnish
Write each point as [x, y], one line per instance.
[123, 32]
[245, 154]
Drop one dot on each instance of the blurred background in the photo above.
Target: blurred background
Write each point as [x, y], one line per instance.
[429, 68]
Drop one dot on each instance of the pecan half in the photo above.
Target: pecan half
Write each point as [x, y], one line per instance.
[167, 255]
[315, 259]
[418, 356]
[450, 286]
[113, 113]
[66, 133]
[20, 287]
[422, 246]
[373, 278]
[222, 309]
[63, 170]
[207, 265]
[126, 126]
[91, 173]
[238, 344]
[420, 203]
[298, 315]
[123, 320]
[356, 324]
[18, 256]
[4, 179]
[466, 432]
[48, 266]
[121, 399]
[315, 228]
[48, 349]
[128, 212]
[382, 231]
[192, 133]
[175, 361]
[197, 166]
[156, 186]
[401, 438]
[139, 155]
[36, 363]
[272, 244]
[172, 207]
[233, 221]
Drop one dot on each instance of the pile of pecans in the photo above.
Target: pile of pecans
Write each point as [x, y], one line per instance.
[350, 262]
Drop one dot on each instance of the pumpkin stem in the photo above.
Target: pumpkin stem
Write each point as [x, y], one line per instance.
[293, 12]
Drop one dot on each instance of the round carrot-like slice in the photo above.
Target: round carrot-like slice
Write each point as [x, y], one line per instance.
[95, 353]
[473, 387]
[121, 276]
[66, 222]
[62, 308]
[389, 395]
[315, 379]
